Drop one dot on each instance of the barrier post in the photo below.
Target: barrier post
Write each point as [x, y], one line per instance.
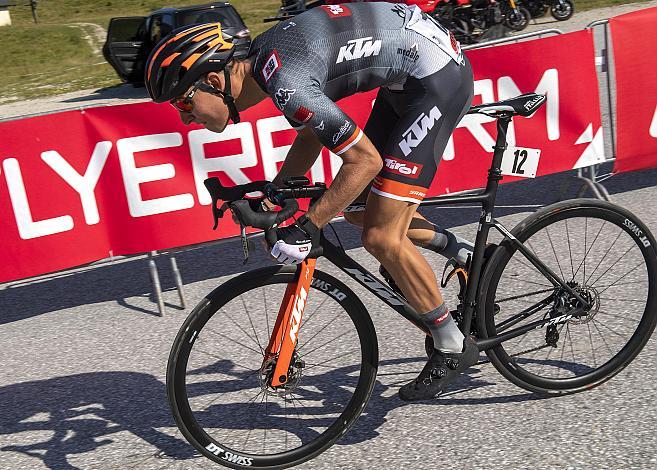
[178, 280]
[155, 279]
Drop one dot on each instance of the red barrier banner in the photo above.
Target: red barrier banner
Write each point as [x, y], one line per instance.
[76, 186]
[634, 36]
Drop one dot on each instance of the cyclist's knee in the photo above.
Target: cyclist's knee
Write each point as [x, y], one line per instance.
[381, 243]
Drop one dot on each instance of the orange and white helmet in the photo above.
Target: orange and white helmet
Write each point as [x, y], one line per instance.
[181, 58]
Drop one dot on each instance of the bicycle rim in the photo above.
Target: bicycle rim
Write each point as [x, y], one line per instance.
[216, 378]
[607, 256]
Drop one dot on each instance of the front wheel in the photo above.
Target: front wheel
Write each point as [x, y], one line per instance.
[517, 19]
[603, 253]
[562, 10]
[219, 385]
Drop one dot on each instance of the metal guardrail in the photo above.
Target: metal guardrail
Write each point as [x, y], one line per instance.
[515, 38]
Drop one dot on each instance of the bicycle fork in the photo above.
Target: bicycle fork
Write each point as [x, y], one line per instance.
[285, 334]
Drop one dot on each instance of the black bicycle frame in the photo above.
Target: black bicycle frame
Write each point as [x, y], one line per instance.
[337, 256]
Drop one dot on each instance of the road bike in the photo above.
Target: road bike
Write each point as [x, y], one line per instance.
[274, 366]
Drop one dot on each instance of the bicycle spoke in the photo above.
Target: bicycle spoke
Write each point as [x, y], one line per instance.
[308, 353]
[252, 326]
[242, 330]
[321, 364]
[264, 298]
[308, 317]
[223, 359]
[592, 244]
[234, 341]
[318, 332]
[595, 363]
[604, 256]
[570, 252]
[620, 278]
[602, 337]
[547, 231]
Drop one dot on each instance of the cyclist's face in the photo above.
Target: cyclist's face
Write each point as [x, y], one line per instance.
[207, 109]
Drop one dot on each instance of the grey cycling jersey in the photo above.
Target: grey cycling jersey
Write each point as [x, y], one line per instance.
[310, 61]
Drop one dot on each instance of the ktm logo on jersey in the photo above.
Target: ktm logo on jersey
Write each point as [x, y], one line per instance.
[359, 48]
[336, 11]
[414, 135]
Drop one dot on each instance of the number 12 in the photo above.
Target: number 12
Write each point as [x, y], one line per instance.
[517, 167]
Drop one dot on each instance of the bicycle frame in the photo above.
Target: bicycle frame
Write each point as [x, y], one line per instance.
[291, 310]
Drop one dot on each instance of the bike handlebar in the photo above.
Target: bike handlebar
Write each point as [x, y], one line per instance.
[243, 209]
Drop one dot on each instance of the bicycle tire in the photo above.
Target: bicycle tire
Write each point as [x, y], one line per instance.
[323, 284]
[509, 367]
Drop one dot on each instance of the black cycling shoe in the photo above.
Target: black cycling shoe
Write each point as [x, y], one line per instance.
[391, 282]
[439, 371]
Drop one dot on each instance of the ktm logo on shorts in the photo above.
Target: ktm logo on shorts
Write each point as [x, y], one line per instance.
[402, 167]
[414, 135]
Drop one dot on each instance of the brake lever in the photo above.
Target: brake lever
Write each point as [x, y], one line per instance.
[218, 212]
[245, 244]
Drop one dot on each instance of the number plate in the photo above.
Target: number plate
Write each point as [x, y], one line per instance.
[520, 161]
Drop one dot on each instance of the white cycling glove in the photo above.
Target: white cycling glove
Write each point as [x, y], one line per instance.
[295, 241]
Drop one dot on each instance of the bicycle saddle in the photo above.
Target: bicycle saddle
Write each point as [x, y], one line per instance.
[522, 105]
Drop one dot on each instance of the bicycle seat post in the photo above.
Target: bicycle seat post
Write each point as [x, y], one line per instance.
[485, 220]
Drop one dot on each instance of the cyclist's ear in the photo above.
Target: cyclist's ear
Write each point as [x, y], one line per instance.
[215, 79]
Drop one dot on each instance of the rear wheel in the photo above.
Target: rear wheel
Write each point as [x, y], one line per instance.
[608, 257]
[219, 385]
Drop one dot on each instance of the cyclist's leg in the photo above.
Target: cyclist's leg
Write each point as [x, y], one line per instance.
[433, 107]
[386, 222]
[421, 232]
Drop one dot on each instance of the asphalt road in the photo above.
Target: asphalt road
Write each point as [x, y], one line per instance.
[84, 358]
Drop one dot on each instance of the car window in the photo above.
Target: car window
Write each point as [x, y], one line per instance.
[126, 29]
[225, 16]
[156, 29]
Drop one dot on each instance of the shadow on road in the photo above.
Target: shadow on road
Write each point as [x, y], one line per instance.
[120, 281]
[59, 418]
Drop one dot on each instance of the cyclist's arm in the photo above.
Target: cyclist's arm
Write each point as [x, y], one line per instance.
[361, 163]
[301, 156]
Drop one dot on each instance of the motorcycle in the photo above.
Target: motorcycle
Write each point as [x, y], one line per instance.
[560, 10]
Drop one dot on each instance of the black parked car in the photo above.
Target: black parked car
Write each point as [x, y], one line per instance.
[131, 39]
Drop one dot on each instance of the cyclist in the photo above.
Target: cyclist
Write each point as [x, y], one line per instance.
[304, 65]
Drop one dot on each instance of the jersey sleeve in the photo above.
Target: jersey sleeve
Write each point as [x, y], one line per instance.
[309, 107]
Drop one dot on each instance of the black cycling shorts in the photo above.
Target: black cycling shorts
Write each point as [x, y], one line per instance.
[411, 128]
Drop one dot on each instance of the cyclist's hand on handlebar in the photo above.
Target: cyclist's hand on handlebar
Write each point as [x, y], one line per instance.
[295, 241]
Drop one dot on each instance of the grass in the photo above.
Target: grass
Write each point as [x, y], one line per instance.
[53, 57]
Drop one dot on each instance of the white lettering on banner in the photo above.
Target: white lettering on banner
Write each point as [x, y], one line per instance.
[359, 48]
[231, 165]
[272, 155]
[85, 184]
[506, 88]
[653, 125]
[27, 227]
[133, 176]
[549, 86]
